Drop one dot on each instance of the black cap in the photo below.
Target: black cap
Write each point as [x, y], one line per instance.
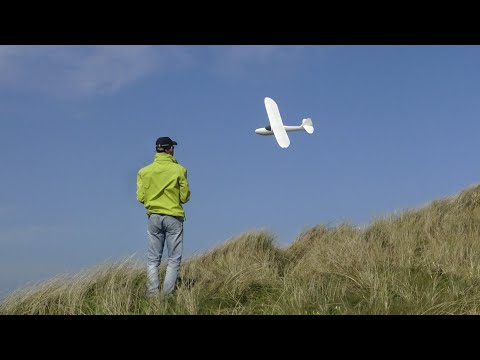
[165, 142]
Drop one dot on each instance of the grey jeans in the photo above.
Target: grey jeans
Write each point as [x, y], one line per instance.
[163, 229]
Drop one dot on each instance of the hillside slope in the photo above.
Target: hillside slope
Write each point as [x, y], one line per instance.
[419, 261]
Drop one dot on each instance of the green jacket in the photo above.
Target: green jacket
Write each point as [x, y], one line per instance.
[162, 186]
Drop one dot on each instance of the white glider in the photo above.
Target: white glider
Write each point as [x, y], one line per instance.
[276, 126]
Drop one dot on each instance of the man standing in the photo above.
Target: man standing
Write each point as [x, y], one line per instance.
[162, 187]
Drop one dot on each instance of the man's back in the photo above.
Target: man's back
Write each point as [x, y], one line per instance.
[162, 186]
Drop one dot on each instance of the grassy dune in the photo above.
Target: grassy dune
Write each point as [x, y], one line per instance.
[420, 261]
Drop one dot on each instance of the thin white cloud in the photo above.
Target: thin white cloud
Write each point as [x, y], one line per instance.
[84, 70]
[243, 61]
[238, 60]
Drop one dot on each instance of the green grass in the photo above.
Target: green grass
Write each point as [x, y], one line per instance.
[418, 261]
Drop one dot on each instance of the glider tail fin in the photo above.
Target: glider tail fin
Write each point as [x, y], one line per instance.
[307, 124]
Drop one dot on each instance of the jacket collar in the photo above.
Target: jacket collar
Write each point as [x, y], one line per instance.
[165, 157]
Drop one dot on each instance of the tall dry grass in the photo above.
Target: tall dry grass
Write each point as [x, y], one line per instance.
[418, 261]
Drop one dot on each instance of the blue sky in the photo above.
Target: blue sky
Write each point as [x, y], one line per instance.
[395, 127]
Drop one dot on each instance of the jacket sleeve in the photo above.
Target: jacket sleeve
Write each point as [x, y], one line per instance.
[184, 188]
[140, 189]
